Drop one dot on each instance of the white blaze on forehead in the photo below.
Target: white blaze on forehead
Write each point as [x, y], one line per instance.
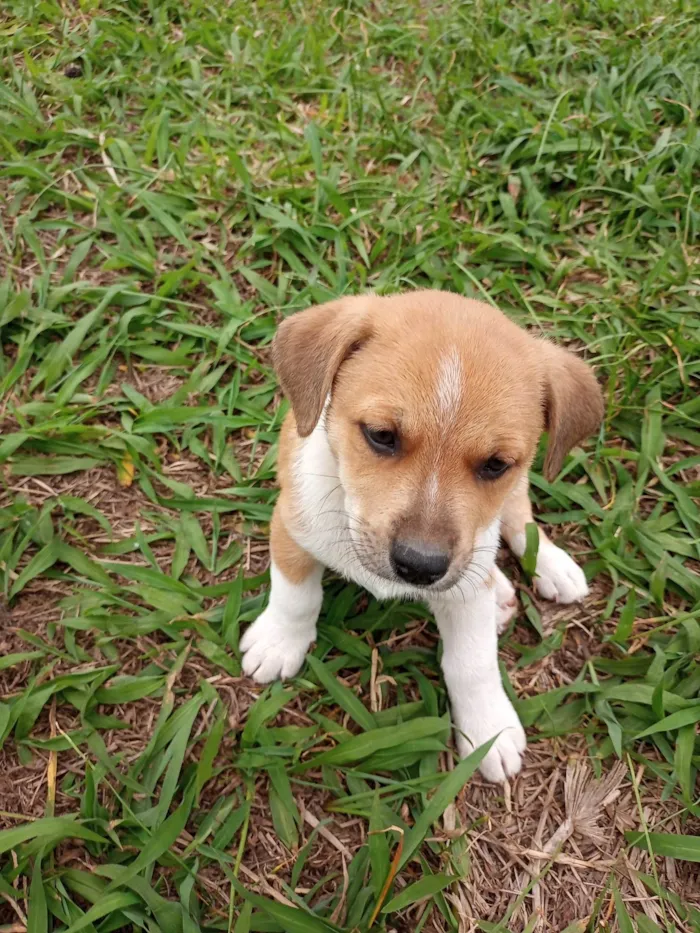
[433, 489]
[449, 384]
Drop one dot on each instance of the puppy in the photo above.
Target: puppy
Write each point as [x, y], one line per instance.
[404, 459]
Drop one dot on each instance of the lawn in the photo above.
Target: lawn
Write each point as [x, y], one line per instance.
[175, 178]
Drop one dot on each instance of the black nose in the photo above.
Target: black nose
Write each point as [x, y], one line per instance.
[418, 562]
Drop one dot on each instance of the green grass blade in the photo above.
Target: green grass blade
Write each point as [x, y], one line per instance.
[669, 845]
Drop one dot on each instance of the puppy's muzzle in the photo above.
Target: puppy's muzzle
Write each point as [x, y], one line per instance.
[419, 563]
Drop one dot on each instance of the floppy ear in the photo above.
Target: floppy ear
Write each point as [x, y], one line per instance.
[573, 404]
[307, 352]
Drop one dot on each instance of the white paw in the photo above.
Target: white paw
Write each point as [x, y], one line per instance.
[483, 716]
[506, 600]
[558, 576]
[274, 647]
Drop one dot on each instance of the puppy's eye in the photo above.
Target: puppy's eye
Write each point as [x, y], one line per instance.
[381, 440]
[493, 468]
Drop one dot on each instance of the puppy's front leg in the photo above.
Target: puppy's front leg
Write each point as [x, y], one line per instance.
[557, 576]
[275, 645]
[480, 707]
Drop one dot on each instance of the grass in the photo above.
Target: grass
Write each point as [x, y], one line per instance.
[174, 178]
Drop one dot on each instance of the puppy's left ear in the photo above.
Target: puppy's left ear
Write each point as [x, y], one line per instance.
[573, 404]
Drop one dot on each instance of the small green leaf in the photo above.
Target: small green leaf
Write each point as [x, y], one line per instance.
[342, 696]
[265, 708]
[229, 622]
[37, 917]
[196, 538]
[452, 784]
[283, 807]
[46, 828]
[684, 717]
[107, 906]
[209, 752]
[418, 891]
[291, 919]
[159, 843]
[83, 564]
[243, 922]
[314, 143]
[670, 845]
[379, 849]
[40, 563]
[683, 761]
[358, 747]
[624, 921]
[532, 545]
[82, 507]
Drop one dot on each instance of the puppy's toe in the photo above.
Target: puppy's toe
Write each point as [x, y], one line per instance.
[505, 757]
[482, 718]
[274, 648]
[504, 760]
[506, 600]
[558, 577]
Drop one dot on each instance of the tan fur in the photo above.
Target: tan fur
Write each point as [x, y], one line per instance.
[516, 514]
[381, 358]
[573, 405]
[291, 559]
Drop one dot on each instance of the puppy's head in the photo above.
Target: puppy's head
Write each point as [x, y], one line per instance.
[436, 406]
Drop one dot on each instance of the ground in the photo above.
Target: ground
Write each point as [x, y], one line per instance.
[175, 178]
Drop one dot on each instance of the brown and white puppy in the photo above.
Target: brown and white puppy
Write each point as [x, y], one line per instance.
[405, 457]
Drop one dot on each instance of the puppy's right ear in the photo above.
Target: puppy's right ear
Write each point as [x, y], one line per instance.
[308, 350]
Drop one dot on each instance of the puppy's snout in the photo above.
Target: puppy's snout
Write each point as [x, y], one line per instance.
[419, 562]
